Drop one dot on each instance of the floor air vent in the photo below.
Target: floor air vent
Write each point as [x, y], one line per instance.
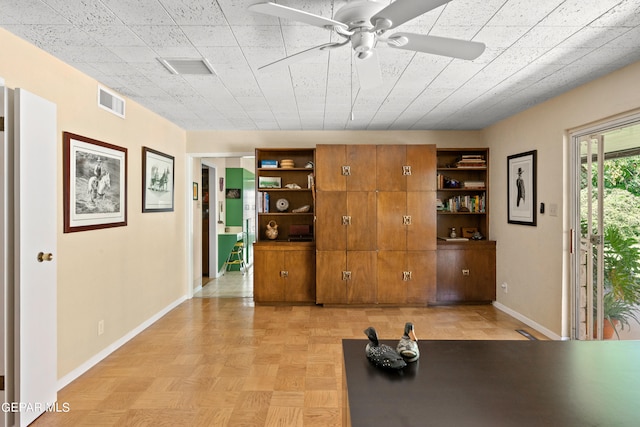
[198, 66]
[110, 101]
[526, 334]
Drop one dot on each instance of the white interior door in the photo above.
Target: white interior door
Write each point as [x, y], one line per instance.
[36, 180]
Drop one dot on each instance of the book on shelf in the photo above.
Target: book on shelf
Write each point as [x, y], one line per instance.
[463, 204]
[454, 239]
[471, 161]
[268, 163]
[473, 184]
[263, 206]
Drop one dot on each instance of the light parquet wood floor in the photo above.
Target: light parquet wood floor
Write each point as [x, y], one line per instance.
[226, 362]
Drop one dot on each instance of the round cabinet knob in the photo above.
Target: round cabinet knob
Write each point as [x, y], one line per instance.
[282, 205]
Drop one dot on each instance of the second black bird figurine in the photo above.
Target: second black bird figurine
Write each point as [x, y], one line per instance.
[381, 355]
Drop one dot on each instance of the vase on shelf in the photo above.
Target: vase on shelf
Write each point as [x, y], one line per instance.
[272, 230]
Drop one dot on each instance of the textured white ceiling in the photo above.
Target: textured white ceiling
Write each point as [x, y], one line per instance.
[535, 50]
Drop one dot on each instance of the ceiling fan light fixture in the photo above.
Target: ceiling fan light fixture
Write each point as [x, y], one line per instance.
[364, 54]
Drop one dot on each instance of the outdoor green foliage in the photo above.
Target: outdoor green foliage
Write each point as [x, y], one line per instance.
[621, 248]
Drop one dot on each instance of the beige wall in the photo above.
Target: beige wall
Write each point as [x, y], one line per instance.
[248, 141]
[122, 275]
[534, 261]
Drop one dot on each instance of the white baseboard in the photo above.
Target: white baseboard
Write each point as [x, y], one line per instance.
[544, 331]
[64, 381]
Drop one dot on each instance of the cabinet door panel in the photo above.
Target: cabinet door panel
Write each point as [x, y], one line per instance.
[392, 233]
[392, 288]
[421, 289]
[422, 159]
[361, 160]
[390, 160]
[362, 285]
[328, 168]
[331, 233]
[267, 283]
[481, 282]
[421, 207]
[361, 233]
[450, 285]
[300, 281]
[330, 287]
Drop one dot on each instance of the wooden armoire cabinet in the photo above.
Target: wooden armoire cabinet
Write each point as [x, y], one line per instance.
[375, 224]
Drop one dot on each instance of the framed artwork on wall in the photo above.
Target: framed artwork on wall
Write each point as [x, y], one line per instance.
[195, 191]
[521, 188]
[157, 181]
[95, 184]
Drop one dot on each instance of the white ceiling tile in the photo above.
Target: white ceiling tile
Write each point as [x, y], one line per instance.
[458, 11]
[205, 35]
[161, 35]
[523, 12]
[83, 12]
[135, 53]
[262, 36]
[115, 34]
[140, 12]
[624, 14]
[30, 12]
[194, 12]
[578, 12]
[500, 36]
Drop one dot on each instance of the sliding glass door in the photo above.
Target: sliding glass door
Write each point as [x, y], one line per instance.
[606, 233]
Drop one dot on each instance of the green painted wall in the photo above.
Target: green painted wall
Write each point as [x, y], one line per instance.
[233, 180]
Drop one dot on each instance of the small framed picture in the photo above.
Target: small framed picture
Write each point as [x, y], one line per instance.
[233, 193]
[157, 181]
[269, 182]
[521, 188]
[195, 191]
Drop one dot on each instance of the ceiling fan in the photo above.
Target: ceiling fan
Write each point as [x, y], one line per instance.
[364, 24]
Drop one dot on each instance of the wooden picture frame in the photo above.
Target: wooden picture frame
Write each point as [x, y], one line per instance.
[195, 191]
[521, 188]
[95, 184]
[269, 182]
[157, 181]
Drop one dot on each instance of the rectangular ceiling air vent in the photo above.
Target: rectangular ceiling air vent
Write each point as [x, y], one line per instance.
[198, 66]
[110, 101]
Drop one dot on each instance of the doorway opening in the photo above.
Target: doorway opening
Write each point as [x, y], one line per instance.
[606, 231]
[228, 221]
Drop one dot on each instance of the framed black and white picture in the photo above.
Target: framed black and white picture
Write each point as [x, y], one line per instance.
[521, 188]
[157, 181]
[95, 184]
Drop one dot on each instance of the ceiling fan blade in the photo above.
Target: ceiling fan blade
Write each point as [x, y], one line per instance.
[455, 48]
[401, 11]
[285, 12]
[369, 74]
[300, 56]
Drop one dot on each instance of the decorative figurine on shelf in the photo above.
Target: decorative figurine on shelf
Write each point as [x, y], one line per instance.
[408, 344]
[453, 234]
[381, 355]
[477, 236]
[272, 230]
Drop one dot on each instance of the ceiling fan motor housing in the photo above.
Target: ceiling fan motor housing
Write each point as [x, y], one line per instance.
[362, 42]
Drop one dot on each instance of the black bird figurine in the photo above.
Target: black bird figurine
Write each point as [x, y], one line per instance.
[408, 344]
[381, 355]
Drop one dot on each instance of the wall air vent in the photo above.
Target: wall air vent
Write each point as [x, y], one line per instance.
[199, 66]
[110, 101]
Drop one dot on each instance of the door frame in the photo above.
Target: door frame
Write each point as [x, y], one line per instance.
[574, 170]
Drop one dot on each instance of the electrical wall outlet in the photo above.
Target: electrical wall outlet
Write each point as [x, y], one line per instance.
[100, 327]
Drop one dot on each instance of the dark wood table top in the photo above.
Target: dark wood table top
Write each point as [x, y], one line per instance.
[498, 384]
